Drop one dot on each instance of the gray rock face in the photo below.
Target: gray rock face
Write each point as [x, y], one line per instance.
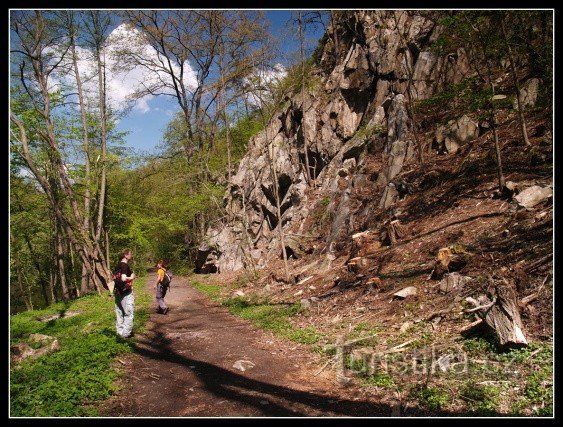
[361, 97]
[528, 94]
[457, 132]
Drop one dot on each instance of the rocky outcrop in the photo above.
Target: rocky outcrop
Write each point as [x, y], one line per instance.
[381, 61]
[450, 137]
[528, 94]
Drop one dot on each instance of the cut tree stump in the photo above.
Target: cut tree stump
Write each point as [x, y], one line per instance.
[446, 262]
[502, 314]
[394, 231]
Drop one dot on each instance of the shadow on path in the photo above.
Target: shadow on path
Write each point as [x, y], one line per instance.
[282, 401]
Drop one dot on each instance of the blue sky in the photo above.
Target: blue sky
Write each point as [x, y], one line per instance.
[146, 128]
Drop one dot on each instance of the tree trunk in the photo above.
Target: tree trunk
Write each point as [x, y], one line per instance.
[85, 139]
[52, 284]
[305, 147]
[102, 189]
[501, 180]
[107, 249]
[25, 297]
[19, 273]
[516, 84]
[394, 231]
[492, 110]
[59, 253]
[502, 314]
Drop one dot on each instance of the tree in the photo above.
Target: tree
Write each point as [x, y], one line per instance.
[268, 93]
[41, 46]
[197, 54]
[512, 60]
[473, 31]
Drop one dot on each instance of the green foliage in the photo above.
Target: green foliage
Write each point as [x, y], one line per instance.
[365, 330]
[483, 399]
[30, 244]
[272, 317]
[434, 398]
[211, 291]
[160, 208]
[379, 379]
[479, 346]
[367, 132]
[319, 49]
[67, 382]
[539, 390]
[308, 335]
[297, 75]
[468, 96]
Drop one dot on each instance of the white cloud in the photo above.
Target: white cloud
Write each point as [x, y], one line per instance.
[122, 82]
[260, 82]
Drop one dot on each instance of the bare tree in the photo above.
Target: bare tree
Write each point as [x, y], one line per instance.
[268, 97]
[512, 62]
[198, 54]
[488, 77]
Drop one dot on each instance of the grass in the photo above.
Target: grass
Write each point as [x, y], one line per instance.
[274, 318]
[211, 291]
[70, 381]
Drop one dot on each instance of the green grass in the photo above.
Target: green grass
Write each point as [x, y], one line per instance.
[211, 291]
[264, 315]
[379, 380]
[272, 317]
[70, 381]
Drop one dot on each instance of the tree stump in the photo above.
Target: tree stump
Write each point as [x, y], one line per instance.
[447, 262]
[393, 232]
[502, 314]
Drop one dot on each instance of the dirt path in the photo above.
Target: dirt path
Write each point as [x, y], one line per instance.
[183, 367]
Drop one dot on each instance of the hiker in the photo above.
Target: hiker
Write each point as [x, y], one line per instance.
[124, 300]
[161, 286]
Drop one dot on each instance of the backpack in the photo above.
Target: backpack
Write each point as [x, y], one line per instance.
[166, 279]
[119, 286]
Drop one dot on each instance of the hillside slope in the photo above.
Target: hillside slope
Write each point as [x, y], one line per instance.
[380, 214]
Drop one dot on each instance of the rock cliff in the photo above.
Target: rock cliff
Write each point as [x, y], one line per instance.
[373, 64]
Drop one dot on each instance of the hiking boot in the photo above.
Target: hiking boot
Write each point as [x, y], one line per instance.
[165, 310]
[159, 310]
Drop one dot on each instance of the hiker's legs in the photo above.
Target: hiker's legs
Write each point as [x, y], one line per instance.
[160, 298]
[128, 304]
[119, 315]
